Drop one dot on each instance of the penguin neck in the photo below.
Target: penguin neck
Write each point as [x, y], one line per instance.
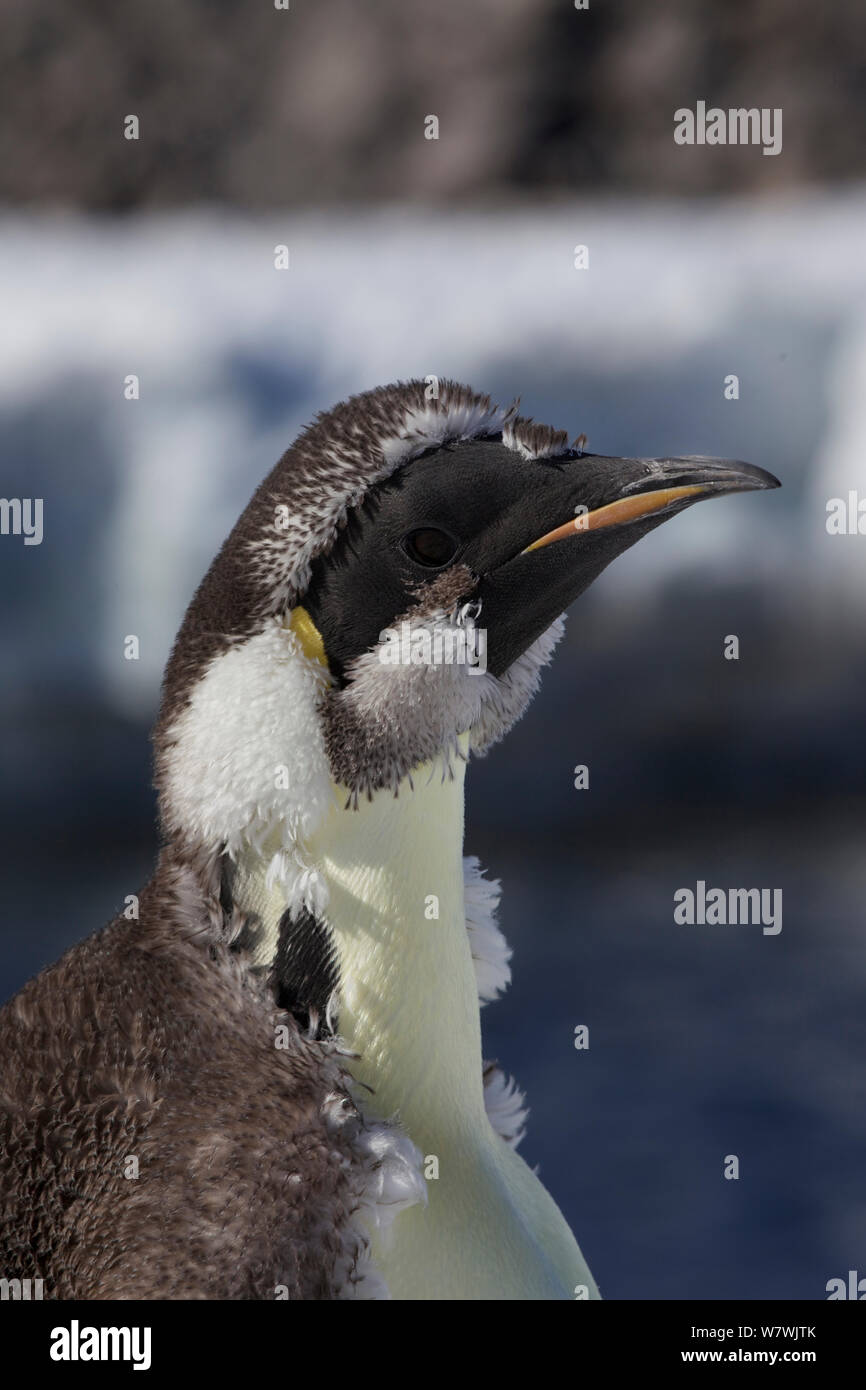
[408, 993]
[408, 997]
[408, 1011]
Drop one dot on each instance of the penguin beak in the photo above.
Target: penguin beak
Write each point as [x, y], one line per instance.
[594, 509]
[658, 488]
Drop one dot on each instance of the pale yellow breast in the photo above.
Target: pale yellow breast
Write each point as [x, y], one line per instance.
[409, 1006]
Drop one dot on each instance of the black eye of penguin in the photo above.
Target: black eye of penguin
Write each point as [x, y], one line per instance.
[430, 547]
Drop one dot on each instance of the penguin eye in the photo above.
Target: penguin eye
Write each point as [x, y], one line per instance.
[429, 546]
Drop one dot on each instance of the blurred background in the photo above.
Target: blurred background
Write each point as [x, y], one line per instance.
[409, 256]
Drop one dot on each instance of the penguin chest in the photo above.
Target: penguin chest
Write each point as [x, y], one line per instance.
[409, 1011]
[489, 1231]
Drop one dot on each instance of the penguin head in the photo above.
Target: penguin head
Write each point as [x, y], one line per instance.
[515, 536]
[395, 520]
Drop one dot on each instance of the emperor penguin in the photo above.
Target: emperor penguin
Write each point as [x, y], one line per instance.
[267, 1081]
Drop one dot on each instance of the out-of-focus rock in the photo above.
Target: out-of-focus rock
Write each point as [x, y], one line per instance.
[326, 102]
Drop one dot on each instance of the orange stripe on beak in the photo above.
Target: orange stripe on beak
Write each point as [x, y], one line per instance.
[625, 509]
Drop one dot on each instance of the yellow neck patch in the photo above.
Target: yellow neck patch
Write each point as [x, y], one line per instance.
[309, 636]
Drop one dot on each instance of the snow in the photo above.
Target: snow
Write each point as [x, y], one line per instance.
[235, 356]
